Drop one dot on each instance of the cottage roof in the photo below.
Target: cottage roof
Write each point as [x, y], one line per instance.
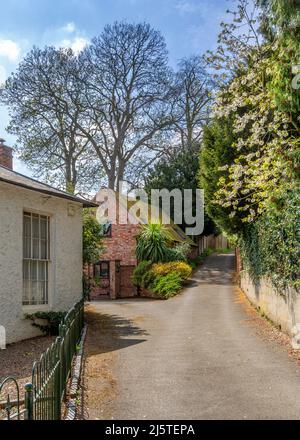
[174, 232]
[17, 179]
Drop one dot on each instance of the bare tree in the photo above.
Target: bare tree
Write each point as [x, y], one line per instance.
[126, 83]
[45, 118]
[107, 110]
[193, 95]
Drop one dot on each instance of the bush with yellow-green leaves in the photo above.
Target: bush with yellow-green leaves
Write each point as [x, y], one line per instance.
[181, 268]
[163, 279]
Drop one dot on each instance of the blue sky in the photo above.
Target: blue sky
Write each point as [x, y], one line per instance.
[189, 27]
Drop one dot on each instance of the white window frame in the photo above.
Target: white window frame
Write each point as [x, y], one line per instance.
[36, 258]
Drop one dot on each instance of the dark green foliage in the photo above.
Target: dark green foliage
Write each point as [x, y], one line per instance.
[167, 286]
[86, 287]
[92, 238]
[148, 279]
[140, 271]
[53, 320]
[178, 171]
[143, 275]
[217, 151]
[152, 243]
[283, 18]
[92, 246]
[271, 246]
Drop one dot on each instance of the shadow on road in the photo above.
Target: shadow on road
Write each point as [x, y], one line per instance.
[108, 333]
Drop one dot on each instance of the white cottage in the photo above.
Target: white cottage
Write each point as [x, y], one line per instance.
[40, 249]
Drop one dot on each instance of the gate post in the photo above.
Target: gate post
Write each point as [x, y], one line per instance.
[29, 401]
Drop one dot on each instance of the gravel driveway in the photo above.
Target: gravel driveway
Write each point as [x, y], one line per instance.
[204, 354]
[17, 361]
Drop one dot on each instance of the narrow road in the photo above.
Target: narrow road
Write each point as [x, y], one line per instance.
[196, 356]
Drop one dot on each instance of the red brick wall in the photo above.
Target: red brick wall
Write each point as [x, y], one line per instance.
[101, 291]
[147, 293]
[6, 158]
[121, 245]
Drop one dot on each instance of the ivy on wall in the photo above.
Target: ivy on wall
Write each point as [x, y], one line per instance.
[271, 246]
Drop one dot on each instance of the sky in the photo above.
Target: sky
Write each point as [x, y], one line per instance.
[189, 27]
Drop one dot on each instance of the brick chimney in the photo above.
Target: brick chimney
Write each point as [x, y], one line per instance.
[6, 155]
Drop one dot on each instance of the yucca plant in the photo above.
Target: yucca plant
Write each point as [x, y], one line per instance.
[152, 243]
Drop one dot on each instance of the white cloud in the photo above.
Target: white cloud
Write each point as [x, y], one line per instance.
[3, 75]
[9, 49]
[77, 44]
[186, 7]
[69, 27]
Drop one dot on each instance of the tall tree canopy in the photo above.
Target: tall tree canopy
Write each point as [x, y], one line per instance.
[45, 110]
[107, 107]
[193, 96]
[126, 92]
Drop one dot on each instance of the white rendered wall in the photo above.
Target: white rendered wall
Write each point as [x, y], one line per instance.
[65, 286]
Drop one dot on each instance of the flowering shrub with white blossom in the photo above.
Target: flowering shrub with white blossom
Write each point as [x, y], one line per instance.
[250, 155]
[265, 145]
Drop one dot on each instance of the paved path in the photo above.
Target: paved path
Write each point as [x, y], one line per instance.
[196, 356]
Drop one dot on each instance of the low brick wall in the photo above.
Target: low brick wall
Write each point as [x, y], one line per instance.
[283, 308]
[144, 293]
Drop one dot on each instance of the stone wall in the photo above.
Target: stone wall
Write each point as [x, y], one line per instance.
[283, 308]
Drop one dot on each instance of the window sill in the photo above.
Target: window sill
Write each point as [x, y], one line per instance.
[30, 309]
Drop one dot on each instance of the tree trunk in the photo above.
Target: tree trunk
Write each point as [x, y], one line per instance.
[70, 186]
[111, 181]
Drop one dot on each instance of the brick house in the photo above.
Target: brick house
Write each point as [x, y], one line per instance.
[115, 269]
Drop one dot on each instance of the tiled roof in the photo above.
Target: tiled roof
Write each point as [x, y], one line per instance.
[173, 230]
[17, 179]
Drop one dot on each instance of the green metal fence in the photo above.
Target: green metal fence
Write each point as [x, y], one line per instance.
[21, 413]
[46, 384]
[69, 331]
[44, 396]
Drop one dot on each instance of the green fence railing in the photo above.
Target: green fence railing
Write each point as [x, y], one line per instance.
[44, 396]
[69, 331]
